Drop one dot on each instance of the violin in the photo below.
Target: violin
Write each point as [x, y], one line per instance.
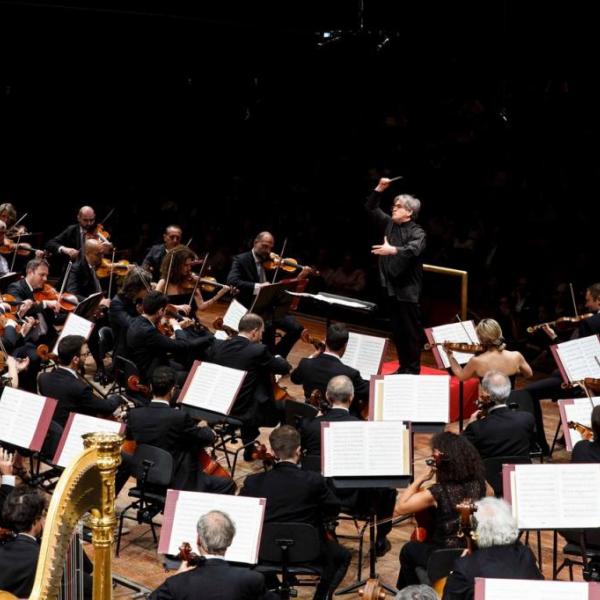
[22, 248]
[561, 324]
[44, 353]
[587, 433]
[483, 406]
[98, 233]
[319, 401]
[3, 323]
[592, 383]
[458, 347]
[218, 324]
[309, 339]
[67, 302]
[134, 385]
[120, 268]
[285, 264]
[188, 555]
[259, 452]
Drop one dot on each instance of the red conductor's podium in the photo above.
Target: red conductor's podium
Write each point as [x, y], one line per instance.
[470, 389]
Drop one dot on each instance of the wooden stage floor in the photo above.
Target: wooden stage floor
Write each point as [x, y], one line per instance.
[139, 562]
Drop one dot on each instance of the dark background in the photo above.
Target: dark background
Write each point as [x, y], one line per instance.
[230, 118]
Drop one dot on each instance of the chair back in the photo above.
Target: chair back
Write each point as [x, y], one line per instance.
[106, 340]
[311, 462]
[493, 469]
[440, 563]
[124, 368]
[296, 411]
[159, 464]
[300, 539]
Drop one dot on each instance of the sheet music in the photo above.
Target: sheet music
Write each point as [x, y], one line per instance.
[20, 413]
[221, 335]
[328, 300]
[74, 325]
[364, 353]
[578, 357]
[212, 387]
[521, 589]
[235, 311]
[581, 412]
[363, 449]
[417, 398]
[455, 332]
[556, 496]
[246, 513]
[81, 424]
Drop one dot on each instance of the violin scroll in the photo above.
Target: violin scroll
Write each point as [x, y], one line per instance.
[188, 555]
[587, 433]
[309, 339]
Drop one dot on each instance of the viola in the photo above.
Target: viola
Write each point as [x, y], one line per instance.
[319, 401]
[483, 406]
[458, 347]
[188, 555]
[134, 385]
[67, 302]
[44, 353]
[587, 433]
[309, 339]
[120, 268]
[260, 453]
[285, 264]
[280, 393]
[561, 324]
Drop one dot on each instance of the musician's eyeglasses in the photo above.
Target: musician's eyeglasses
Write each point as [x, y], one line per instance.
[85, 354]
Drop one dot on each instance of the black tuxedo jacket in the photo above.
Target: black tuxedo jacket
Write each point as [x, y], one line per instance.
[150, 349]
[311, 429]
[293, 495]
[590, 326]
[513, 561]
[81, 281]
[70, 238]
[18, 562]
[315, 373]
[243, 275]
[153, 260]
[586, 451]
[5, 490]
[174, 431]
[121, 314]
[240, 353]
[73, 396]
[214, 579]
[504, 432]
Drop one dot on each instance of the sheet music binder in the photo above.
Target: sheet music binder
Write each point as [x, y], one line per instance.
[272, 302]
[88, 306]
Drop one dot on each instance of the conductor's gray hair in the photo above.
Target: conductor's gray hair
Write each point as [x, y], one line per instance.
[410, 203]
[340, 389]
[495, 524]
[417, 592]
[497, 385]
[215, 531]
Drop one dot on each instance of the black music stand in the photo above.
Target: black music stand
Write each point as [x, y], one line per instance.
[272, 302]
[399, 481]
[7, 279]
[88, 306]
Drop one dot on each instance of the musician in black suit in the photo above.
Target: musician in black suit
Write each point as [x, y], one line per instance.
[498, 554]
[316, 371]
[298, 496]
[7, 479]
[154, 257]
[160, 424]
[254, 403]
[148, 348]
[70, 241]
[126, 306]
[401, 271]
[46, 313]
[23, 512]
[339, 395]
[214, 578]
[248, 275]
[64, 385]
[503, 432]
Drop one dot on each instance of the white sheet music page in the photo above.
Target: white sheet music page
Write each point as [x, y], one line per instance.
[213, 387]
[557, 496]
[521, 589]
[235, 311]
[74, 325]
[246, 513]
[417, 398]
[578, 357]
[581, 412]
[81, 424]
[364, 448]
[455, 332]
[20, 412]
[328, 300]
[364, 353]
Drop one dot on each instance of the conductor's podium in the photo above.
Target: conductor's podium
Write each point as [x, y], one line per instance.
[470, 389]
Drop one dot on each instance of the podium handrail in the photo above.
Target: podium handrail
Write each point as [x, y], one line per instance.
[464, 284]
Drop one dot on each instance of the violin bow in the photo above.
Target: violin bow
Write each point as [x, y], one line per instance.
[12, 264]
[280, 260]
[572, 298]
[198, 280]
[142, 276]
[471, 341]
[64, 281]
[189, 242]
[108, 216]
[18, 221]
[169, 271]
[112, 270]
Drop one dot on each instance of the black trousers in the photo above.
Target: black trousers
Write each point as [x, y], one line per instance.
[413, 555]
[407, 334]
[292, 330]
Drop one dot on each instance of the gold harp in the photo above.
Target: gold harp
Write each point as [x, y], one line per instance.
[87, 485]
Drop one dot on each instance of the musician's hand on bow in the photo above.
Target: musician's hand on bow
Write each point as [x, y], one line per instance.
[53, 304]
[7, 460]
[475, 416]
[385, 249]
[549, 332]
[24, 308]
[72, 253]
[184, 308]
[305, 272]
[384, 184]
[105, 247]
[105, 302]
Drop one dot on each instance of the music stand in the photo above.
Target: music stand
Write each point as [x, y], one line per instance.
[399, 481]
[272, 300]
[88, 306]
[7, 279]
